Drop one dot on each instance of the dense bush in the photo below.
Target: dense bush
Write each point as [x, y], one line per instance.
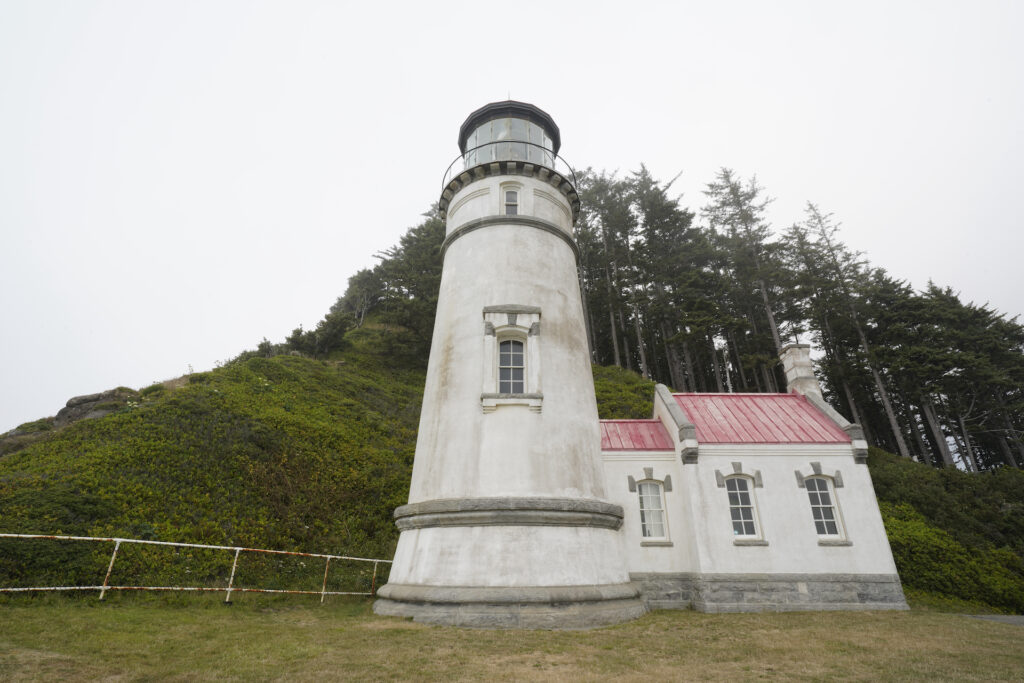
[930, 559]
[622, 394]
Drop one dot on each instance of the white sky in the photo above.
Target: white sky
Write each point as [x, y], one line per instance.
[180, 179]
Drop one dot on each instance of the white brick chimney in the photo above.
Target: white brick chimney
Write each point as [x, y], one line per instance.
[796, 361]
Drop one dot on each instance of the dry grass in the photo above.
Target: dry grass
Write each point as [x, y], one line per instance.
[132, 640]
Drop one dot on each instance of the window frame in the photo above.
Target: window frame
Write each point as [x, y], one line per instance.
[833, 506]
[514, 204]
[512, 339]
[750, 484]
[644, 524]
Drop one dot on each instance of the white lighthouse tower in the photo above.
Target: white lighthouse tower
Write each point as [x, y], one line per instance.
[507, 523]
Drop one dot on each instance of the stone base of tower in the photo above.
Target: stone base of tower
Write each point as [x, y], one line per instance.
[548, 607]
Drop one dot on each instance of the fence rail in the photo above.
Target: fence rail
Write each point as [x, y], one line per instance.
[228, 589]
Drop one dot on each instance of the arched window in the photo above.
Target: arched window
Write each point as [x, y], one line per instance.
[741, 507]
[652, 509]
[511, 367]
[823, 509]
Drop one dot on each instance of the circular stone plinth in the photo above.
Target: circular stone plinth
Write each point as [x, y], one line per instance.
[532, 607]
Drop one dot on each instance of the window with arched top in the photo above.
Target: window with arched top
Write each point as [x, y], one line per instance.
[511, 367]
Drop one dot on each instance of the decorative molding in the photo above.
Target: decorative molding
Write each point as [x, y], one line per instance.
[752, 541]
[816, 471]
[507, 594]
[509, 512]
[547, 196]
[491, 401]
[655, 544]
[737, 469]
[834, 541]
[534, 330]
[512, 308]
[488, 329]
[510, 167]
[472, 195]
[666, 483]
[523, 221]
[686, 431]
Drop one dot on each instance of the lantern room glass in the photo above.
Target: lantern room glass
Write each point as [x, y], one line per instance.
[509, 139]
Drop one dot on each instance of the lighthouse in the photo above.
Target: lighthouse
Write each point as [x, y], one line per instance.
[508, 522]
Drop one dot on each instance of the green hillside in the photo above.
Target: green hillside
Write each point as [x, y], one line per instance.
[293, 453]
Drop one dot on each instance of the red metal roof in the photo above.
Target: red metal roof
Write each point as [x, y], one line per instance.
[634, 435]
[758, 418]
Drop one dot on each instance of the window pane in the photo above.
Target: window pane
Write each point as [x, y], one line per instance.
[731, 484]
[734, 499]
[735, 513]
[747, 514]
[737, 528]
[748, 528]
[744, 498]
[820, 526]
[517, 374]
[832, 528]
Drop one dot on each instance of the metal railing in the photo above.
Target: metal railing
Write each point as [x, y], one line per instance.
[560, 165]
[228, 589]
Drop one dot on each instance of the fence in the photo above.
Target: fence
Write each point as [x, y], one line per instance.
[228, 589]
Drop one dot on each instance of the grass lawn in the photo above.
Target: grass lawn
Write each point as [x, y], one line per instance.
[131, 637]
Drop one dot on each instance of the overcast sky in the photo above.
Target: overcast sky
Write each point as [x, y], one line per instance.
[179, 180]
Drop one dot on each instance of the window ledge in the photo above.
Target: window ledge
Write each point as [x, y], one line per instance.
[656, 544]
[749, 541]
[834, 541]
[491, 402]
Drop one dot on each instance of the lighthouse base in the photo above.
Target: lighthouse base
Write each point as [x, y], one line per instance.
[529, 607]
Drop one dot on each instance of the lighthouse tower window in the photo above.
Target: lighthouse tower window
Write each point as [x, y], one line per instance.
[511, 367]
[511, 203]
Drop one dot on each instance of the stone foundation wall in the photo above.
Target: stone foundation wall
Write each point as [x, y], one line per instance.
[770, 592]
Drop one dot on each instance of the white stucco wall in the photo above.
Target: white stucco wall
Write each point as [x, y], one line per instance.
[509, 556]
[470, 446]
[785, 513]
[701, 527]
[513, 451]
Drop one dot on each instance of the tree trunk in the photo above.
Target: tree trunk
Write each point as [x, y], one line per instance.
[1007, 453]
[644, 371]
[883, 395]
[588, 317]
[771, 317]
[696, 382]
[972, 463]
[853, 404]
[921, 445]
[615, 339]
[625, 342]
[739, 361]
[940, 439]
[675, 371]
